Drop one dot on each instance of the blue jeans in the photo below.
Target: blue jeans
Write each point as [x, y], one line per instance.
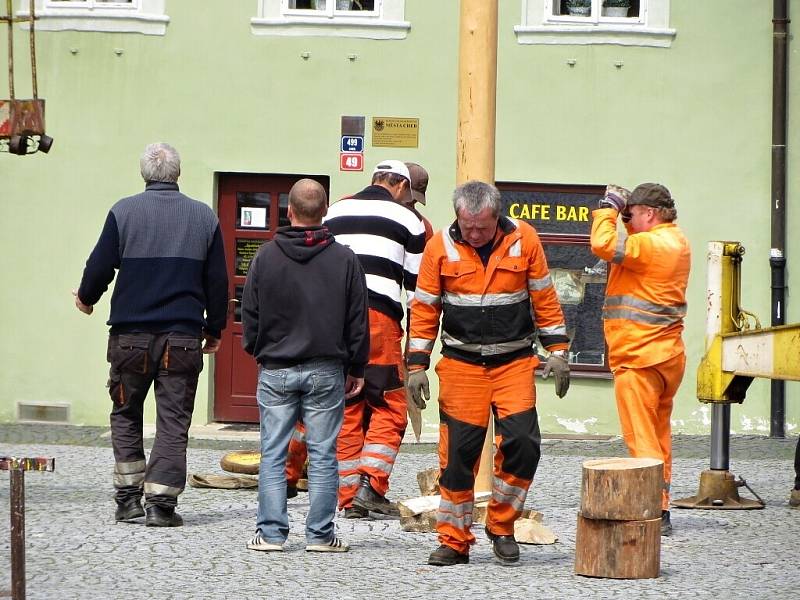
[315, 391]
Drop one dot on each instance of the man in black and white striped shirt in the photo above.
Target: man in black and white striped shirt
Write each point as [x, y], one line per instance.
[388, 239]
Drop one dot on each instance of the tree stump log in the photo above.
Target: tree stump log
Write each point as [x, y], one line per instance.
[622, 489]
[618, 549]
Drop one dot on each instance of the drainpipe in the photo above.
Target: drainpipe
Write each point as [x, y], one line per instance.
[777, 258]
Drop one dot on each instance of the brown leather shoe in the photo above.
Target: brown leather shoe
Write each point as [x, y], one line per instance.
[794, 499]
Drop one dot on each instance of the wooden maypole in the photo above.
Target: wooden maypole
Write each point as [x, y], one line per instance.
[477, 88]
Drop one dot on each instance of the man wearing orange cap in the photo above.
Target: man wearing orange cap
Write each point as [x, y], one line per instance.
[643, 316]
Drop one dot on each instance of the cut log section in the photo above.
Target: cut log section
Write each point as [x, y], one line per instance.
[241, 461]
[622, 489]
[533, 531]
[618, 549]
[419, 514]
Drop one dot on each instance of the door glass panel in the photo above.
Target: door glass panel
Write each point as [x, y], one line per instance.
[252, 210]
[246, 249]
[283, 206]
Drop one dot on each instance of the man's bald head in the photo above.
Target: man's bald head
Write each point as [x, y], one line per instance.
[308, 202]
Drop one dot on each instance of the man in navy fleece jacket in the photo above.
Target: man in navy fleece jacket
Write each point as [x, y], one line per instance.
[170, 296]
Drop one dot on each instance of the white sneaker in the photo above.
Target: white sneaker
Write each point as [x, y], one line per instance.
[262, 545]
[335, 545]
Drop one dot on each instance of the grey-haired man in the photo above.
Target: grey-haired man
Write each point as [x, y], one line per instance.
[170, 296]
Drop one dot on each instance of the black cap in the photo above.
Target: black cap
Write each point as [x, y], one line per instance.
[651, 194]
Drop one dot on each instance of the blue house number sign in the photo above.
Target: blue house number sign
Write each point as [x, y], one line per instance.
[352, 143]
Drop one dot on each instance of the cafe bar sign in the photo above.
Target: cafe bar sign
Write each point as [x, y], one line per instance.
[550, 208]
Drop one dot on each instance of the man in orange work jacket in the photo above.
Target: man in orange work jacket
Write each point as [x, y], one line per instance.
[486, 276]
[643, 316]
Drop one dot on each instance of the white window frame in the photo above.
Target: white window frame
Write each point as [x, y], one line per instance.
[91, 4]
[139, 16]
[330, 11]
[386, 22]
[649, 28]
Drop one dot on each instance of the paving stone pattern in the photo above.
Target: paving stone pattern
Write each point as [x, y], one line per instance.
[75, 550]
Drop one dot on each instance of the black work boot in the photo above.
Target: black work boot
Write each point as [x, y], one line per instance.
[129, 510]
[161, 516]
[666, 524]
[445, 556]
[369, 499]
[355, 512]
[505, 547]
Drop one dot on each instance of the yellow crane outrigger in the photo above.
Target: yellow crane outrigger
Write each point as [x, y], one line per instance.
[736, 352]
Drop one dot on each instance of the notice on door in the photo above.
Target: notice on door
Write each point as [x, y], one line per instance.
[395, 132]
[246, 250]
[253, 216]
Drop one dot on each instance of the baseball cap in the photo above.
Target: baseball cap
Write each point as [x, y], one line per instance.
[419, 181]
[651, 194]
[397, 167]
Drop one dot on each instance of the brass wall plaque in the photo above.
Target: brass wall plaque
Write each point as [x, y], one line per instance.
[395, 132]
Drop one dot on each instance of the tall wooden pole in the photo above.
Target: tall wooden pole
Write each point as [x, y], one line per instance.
[477, 87]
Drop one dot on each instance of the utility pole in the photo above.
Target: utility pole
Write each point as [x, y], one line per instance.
[477, 98]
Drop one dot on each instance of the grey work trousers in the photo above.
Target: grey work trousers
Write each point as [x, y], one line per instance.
[172, 362]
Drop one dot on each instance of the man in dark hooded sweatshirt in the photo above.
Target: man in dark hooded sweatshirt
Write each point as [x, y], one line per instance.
[304, 316]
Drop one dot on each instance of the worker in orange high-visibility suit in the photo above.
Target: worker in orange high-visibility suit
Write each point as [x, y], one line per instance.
[296, 459]
[388, 240]
[486, 276]
[643, 316]
[378, 437]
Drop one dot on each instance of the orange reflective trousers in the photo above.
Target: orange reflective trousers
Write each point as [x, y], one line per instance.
[467, 393]
[375, 420]
[296, 458]
[644, 401]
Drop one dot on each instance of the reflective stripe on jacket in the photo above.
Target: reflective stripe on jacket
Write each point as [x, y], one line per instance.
[489, 314]
[646, 290]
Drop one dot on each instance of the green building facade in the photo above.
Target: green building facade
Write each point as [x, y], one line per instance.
[677, 92]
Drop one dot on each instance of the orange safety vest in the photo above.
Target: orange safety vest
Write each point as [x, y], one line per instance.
[646, 291]
[490, 315]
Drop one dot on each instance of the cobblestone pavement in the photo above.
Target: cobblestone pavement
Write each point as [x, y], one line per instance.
[75, 550]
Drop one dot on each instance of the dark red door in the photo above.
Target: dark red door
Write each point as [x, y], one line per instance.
[251, 208]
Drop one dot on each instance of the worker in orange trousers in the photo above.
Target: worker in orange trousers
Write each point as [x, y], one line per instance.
[643, 316]
[486, 278]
